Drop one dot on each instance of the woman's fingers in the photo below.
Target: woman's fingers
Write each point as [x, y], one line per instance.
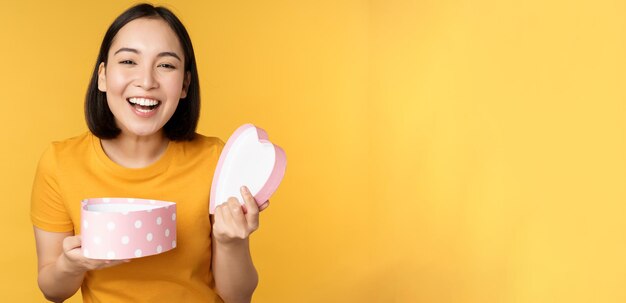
[110, 263]
[232, 222]
[264, 205]
[71, 242]
[219, 226]
[77, 262]
[252, 209]
[222, 228]
[72, 250]
[238, 217]
[225, 216]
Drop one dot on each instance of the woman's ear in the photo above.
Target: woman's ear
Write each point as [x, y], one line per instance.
[102, 78]
[186, 82]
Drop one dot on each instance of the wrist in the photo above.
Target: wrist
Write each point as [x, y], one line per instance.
[233, 244]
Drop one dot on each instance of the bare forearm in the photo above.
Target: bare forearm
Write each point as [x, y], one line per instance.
[235, 275]
[57, 283]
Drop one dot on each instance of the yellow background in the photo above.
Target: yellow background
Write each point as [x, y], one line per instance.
[439, 151]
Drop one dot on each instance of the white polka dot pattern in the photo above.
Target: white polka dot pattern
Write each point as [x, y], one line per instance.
[128, 233]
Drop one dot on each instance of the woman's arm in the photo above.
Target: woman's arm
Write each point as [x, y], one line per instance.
[55, 280]
[233, 270]
[61, 265]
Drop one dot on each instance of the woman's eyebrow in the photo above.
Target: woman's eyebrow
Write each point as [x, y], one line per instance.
[126, 49]
[170, 54]
[162, 54]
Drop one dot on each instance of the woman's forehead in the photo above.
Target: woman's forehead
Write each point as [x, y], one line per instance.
[147, 35]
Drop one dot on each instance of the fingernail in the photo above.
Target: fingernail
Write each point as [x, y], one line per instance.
[245, 189]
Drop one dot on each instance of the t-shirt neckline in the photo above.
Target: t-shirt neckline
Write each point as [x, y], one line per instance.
[151, 170]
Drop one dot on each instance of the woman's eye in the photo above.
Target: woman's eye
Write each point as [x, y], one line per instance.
[167, 65]
[127, 62]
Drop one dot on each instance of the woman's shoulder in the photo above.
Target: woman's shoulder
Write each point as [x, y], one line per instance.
[207, 140]
[60, 150]
[72, 145]
[201, 144]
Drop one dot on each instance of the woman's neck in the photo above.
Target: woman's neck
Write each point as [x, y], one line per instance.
[133, 151]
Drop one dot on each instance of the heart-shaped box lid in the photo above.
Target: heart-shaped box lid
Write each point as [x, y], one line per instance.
[249, 159]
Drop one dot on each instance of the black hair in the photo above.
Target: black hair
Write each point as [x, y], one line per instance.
[182, 125]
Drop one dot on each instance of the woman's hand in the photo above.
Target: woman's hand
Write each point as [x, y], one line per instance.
[73, 261]
[61, 264]
[233, 222]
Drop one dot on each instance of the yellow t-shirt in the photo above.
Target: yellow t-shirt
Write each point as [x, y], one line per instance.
[77, 168]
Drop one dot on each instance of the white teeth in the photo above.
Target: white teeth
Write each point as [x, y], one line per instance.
[143, 102]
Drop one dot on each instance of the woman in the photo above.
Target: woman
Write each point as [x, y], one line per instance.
[142, 108]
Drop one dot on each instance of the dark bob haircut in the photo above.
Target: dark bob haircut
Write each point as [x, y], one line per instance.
[182, 125]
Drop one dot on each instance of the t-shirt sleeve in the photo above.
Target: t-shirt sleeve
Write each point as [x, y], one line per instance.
[47, 210]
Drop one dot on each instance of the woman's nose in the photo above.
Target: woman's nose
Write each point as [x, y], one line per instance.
[146, 79]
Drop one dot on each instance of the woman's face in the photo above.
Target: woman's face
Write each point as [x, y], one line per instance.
[144, 77]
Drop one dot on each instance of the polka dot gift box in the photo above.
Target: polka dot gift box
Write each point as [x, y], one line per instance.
[125, 228]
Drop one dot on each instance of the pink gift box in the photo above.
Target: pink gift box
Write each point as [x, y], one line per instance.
[126, 228]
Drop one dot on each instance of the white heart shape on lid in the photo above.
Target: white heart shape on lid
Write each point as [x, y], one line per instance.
[249, 159]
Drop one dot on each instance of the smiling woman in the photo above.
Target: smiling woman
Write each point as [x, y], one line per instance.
[145, 72]
[147, 49]
[142, 108]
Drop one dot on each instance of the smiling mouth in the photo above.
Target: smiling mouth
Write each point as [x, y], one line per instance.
[144, 105]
